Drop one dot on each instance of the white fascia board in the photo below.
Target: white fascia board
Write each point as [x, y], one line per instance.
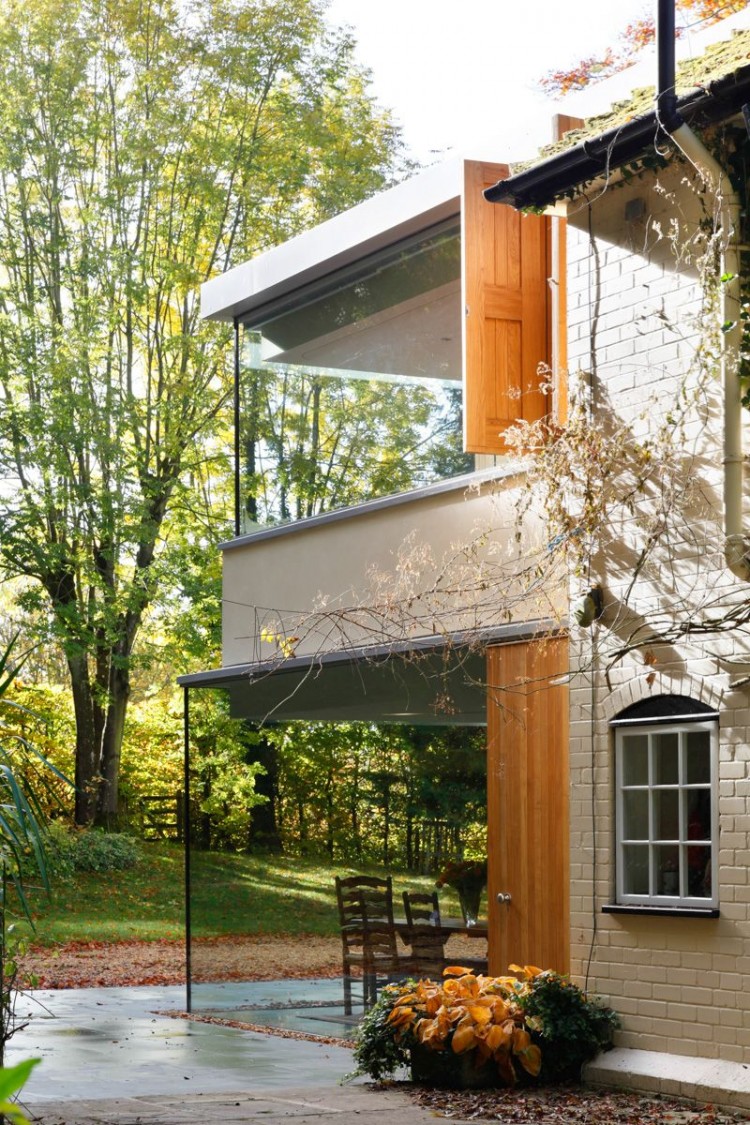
[403, 210]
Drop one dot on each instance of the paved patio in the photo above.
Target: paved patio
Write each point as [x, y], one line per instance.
[112, 1042]
[109, 1058]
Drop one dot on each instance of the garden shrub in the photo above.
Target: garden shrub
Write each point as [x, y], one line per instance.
[377, 1050]
[541, 1026]
[570, 1027]
[69, 850]
[95, 850]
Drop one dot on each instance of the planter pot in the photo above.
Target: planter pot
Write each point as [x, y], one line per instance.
[458, 1072]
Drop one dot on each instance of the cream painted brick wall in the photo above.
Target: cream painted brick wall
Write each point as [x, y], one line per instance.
[679, 984]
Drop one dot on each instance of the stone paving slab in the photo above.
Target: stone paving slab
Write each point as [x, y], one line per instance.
[334, 1105]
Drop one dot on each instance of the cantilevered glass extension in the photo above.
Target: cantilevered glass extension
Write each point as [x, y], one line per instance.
[349, 389]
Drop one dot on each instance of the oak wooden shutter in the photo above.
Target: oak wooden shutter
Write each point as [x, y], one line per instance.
[506, 298]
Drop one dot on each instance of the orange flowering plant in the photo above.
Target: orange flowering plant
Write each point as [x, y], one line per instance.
[507, 1025]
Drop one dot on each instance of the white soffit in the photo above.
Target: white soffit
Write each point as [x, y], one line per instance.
[414, 205]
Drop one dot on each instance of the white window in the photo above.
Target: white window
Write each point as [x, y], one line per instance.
[667, 823]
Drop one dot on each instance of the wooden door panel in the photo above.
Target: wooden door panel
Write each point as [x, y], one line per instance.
[528, 805]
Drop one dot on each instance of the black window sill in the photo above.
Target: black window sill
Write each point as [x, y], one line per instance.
[662, 911]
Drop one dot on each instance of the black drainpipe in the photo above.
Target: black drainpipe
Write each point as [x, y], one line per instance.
[666, 96]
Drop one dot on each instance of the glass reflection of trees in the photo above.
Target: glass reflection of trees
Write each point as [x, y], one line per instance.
[311, 443]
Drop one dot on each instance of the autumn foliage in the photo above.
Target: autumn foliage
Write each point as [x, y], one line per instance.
[633, 39]
[533, 1025]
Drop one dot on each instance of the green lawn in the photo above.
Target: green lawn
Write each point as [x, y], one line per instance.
[231, 894]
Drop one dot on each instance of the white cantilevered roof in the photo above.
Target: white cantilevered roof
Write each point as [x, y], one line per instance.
[414, 205]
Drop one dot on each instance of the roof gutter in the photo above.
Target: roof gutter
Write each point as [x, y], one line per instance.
[596, 156]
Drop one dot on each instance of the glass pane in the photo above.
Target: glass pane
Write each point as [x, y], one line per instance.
[698, 817]
[635, 815]
[406, 802]
[666, 814]
[635, 875]
[698, 757]
[396, 313]
[667, 870]
[315, 442]
[699, 872]
[355, 391]
[666, 759]
[635, 759]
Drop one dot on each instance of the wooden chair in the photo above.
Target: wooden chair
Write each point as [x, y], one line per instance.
[368, 935]
[422, 913]
[427, 940]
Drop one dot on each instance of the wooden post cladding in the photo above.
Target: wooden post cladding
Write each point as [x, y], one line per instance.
[528, 805]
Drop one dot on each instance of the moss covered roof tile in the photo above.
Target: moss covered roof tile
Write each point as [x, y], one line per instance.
[719, 60]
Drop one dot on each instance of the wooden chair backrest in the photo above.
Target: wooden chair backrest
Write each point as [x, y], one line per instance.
[366, 916]
[364, 897]
[427, 943]
[421, 907]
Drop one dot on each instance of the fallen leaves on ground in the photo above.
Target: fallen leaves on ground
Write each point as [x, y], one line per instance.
[243, 1025]
[89, 964]
[567, 1105]
[99, 964]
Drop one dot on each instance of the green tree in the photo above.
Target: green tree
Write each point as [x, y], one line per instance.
[145, 145]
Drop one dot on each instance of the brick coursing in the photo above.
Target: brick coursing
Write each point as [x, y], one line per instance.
[680, 985]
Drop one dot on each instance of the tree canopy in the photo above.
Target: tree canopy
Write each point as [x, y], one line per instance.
[145, 145]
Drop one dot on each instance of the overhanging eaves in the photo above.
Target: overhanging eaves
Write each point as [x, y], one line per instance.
[431, 681]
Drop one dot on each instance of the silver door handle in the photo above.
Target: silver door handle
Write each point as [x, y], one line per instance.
[503, 898]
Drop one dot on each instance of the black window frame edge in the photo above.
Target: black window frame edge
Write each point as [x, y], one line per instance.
[662, 911]
[654, 721]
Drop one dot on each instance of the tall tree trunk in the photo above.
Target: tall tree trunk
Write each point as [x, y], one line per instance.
[330, 813]
[87, 779]
[314, 454]
[107, 814]
[264, 831]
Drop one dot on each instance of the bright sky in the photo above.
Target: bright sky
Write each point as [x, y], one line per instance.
[460, 74]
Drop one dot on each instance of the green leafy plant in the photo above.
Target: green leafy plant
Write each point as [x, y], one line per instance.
[12, 1080]
[96, 850]
[22, 835]
[571, 1026]
[381, 1049]
[537, 1025]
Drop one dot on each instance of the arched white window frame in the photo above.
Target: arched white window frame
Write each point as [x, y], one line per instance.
[661, 888]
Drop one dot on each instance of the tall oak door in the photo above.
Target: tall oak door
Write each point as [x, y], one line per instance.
[528, 805]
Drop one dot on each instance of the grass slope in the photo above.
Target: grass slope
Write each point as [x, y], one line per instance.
[231, 894]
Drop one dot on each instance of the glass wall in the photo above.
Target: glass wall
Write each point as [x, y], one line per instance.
[275, 811]
[351, 389]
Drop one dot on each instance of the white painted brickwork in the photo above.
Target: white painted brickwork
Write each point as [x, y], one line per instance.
[680, 985]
